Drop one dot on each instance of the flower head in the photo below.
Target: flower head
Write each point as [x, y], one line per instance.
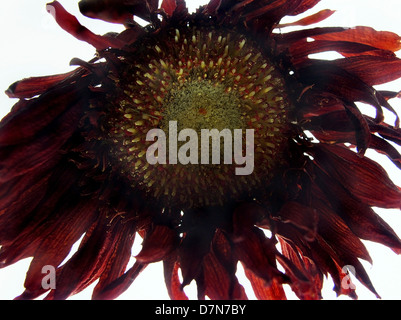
[77, 158]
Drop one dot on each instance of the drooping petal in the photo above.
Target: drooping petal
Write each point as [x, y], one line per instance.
[361, 176]
[373, 70]
[119, 285]
[219, 283]
[314, 275]
[56, 243]
[171, 267]
[29, 156]
[262, 291]
[258, 254]
[28, 118]
[91, 259]
[32, 224]
[159, 243]
[359, 217]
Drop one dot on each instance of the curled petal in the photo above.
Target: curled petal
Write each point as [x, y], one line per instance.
[174, 288]
[56, 243]
[29, 156]
[70, 24]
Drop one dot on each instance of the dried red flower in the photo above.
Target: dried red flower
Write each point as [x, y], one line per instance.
[72, 153]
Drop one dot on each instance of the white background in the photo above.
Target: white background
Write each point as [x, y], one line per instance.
[32, 45]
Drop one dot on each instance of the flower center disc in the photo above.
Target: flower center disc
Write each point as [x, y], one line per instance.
[199, 104]
[198, 78]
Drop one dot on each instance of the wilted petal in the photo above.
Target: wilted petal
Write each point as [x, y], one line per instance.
[159, 243]
[71, 24]
[174, 288]
[273, 291]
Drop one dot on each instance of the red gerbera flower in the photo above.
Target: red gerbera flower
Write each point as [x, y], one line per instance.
[73, 153]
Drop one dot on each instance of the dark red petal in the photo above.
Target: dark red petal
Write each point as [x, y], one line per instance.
[312, 291]
[301, 50]
[363, 177]
[120, 256]
[379, 39]
[262, 18]
[258, 254]
[359, 217]
[302, 217]
[20, 159]
[169, 6]
[262, 291]
[70, 24]
[222, 256]
[304, 5]
[129, 36]
[91, 259]
[27, 88]
[335, 232]
[118, 286]
[220, 283]
[347, 287]
[27, 118]
[213, 6]
[173, 284]
[372, 70]
[384, 147]
[287, 40]
[118, 11]
[195, 245]
[158, 243]
[58, 238]
[330, 78]
[34, 223]
[319, 253]
[362, 132]
[22, 192]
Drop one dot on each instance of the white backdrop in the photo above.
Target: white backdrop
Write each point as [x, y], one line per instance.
[32, 44]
